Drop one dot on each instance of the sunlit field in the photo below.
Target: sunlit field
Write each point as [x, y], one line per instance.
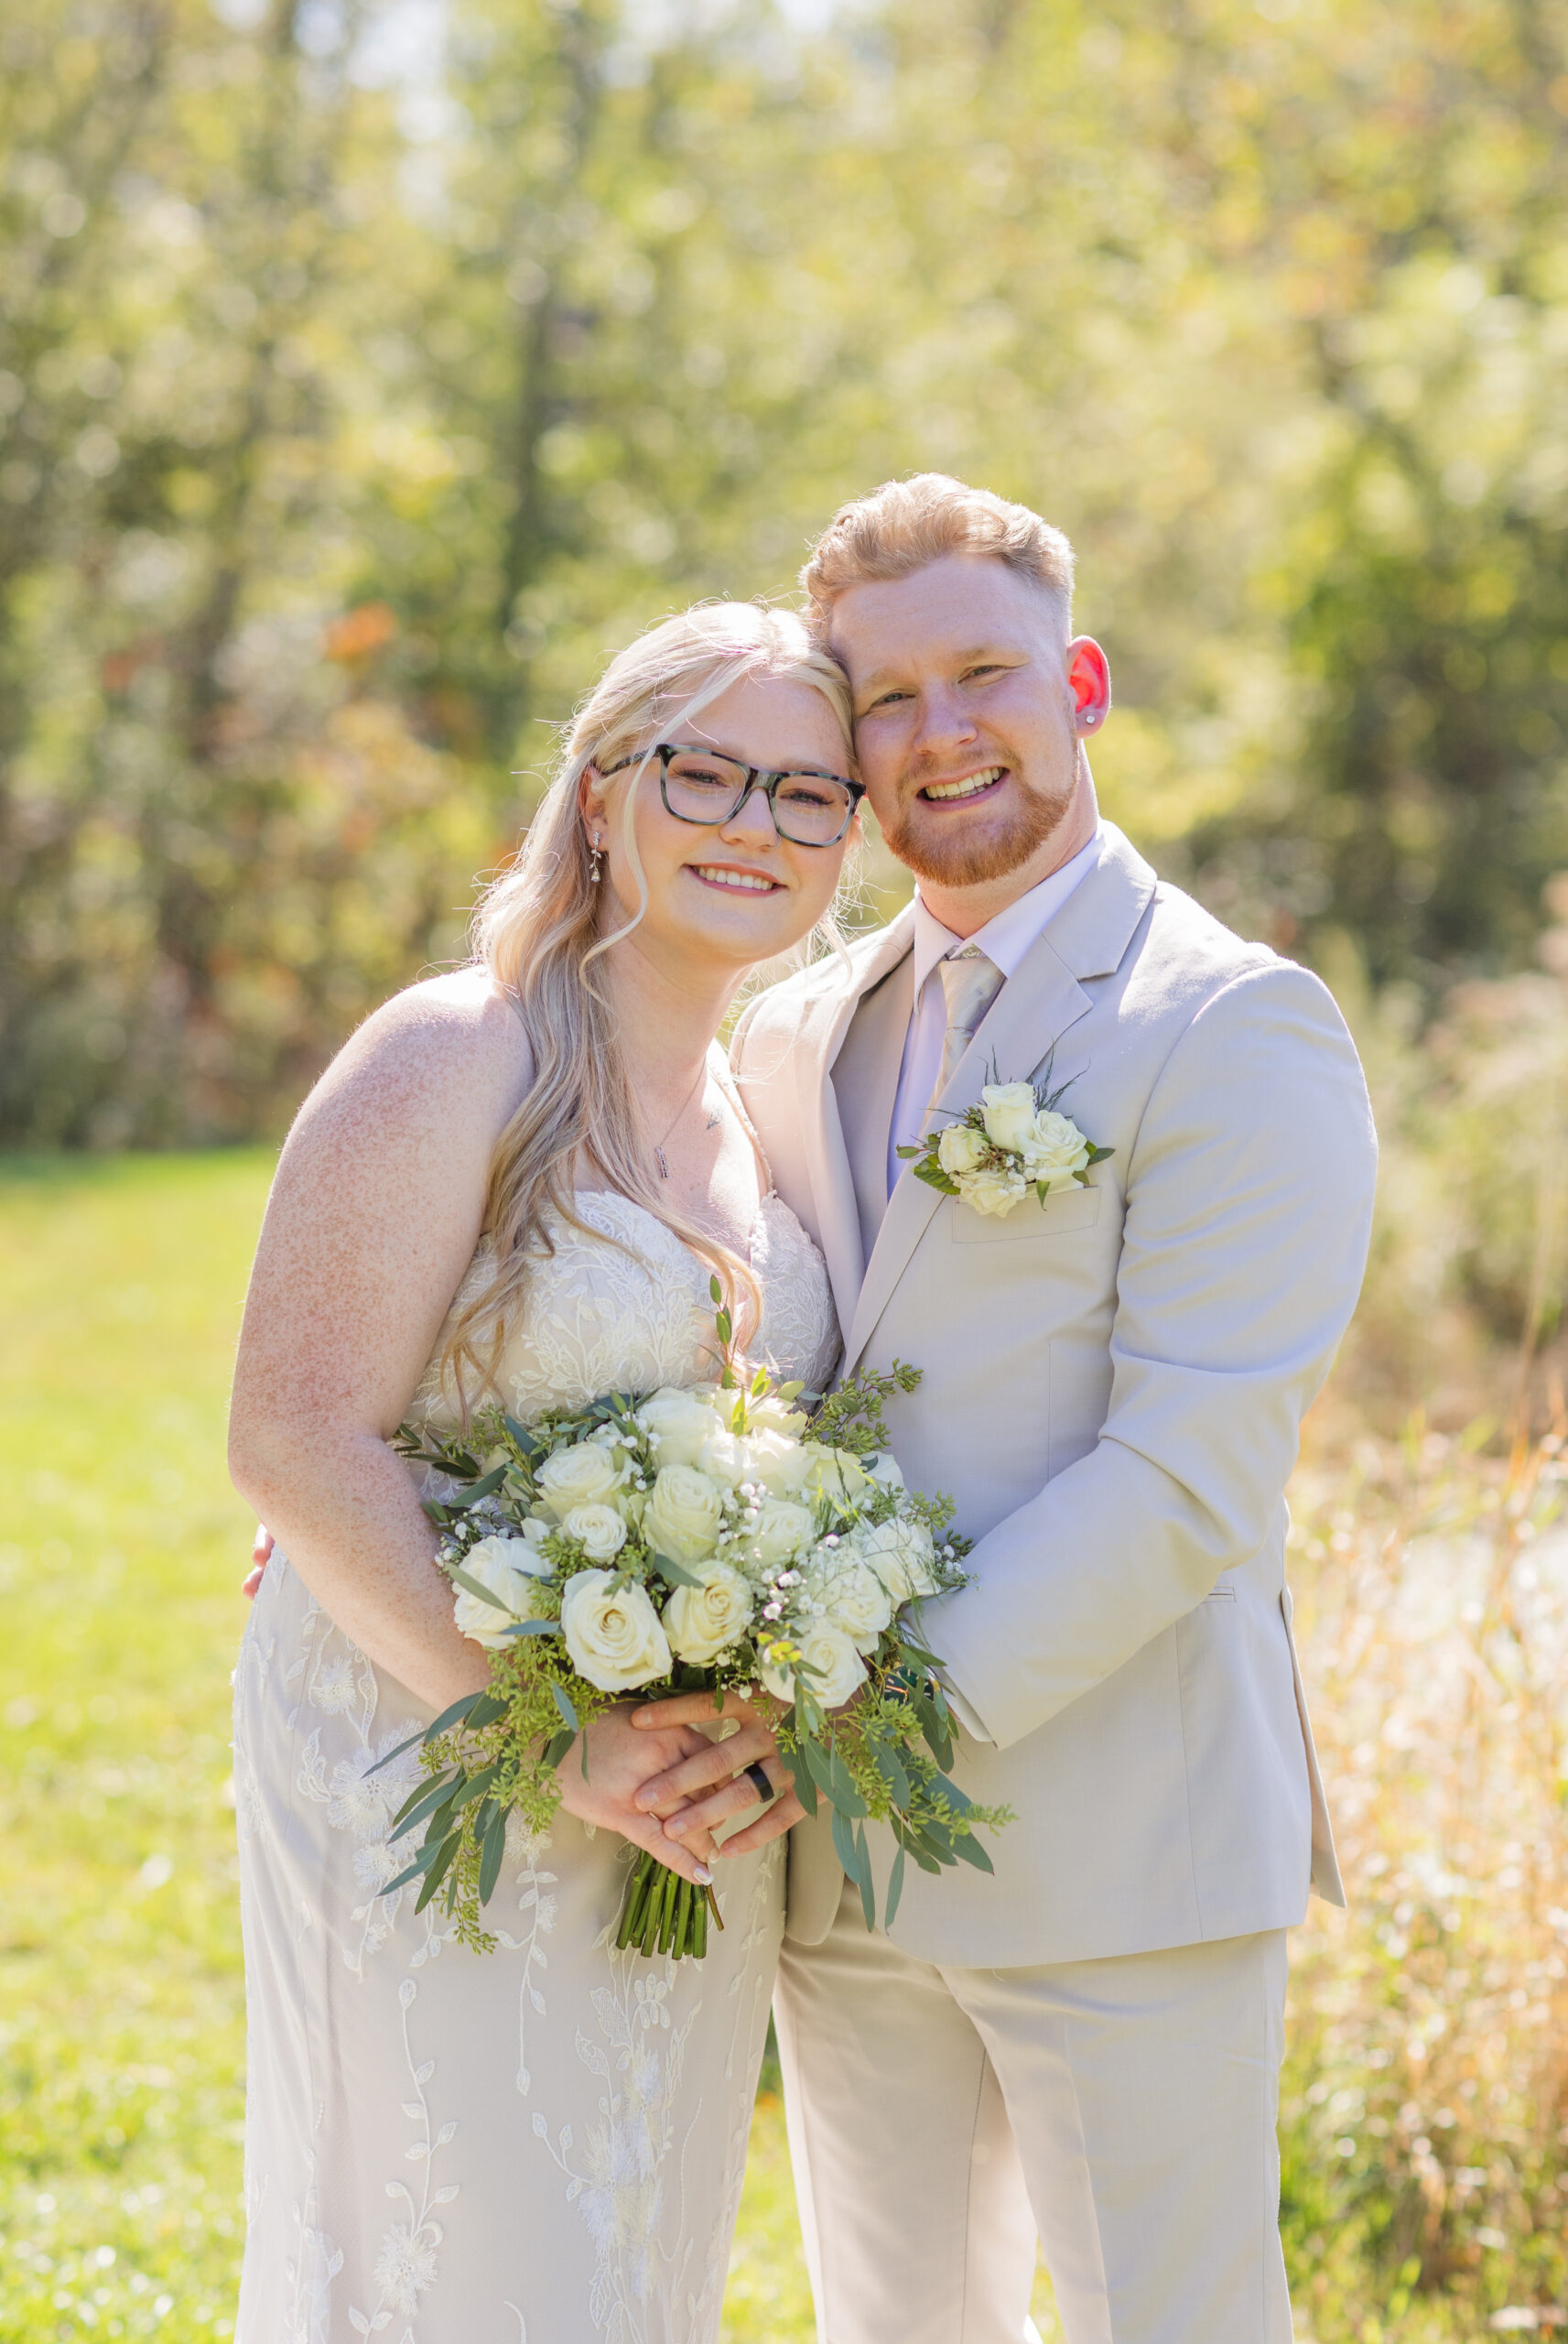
[122, 1547]
[1427, 2083]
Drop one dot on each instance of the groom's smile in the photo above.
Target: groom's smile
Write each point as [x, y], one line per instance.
[969, 785]
[970, 703]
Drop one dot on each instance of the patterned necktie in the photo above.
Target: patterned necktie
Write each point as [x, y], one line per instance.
[971, 984]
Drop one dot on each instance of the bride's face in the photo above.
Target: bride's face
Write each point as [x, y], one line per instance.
[733, 892]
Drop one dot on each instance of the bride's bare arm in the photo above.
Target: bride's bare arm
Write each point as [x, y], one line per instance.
[371, 1222]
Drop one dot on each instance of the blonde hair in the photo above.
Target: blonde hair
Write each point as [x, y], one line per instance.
[906, 524]
[536, 930]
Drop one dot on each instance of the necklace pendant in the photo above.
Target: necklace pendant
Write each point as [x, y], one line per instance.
[664, 1167]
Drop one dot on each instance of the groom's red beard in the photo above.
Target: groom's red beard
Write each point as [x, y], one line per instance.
[941, 848]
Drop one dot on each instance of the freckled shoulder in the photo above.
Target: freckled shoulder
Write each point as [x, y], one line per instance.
[451, 1049]
[378, 1204]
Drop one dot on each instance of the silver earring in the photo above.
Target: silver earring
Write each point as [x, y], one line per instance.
[594, 860]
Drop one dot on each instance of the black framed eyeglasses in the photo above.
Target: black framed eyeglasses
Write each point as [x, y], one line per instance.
[809, 809]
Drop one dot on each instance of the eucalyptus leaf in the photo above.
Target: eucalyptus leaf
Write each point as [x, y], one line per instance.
[674, 1574]
[564, 1703]
[969, 1850]
[459, 1578]
[844, 1843]
[867, 1884]
[841, 1788]
[895, 1888]
[455, 1715]
[804, 1785]
[484, 1487]
[491, 1855]
[422, 1803]
[438, 1871]
[532, 1628]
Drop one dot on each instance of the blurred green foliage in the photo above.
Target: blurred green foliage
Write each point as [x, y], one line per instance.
[370, 368]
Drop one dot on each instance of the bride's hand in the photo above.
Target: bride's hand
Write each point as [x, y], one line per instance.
[620, 1759]
[709, 1784]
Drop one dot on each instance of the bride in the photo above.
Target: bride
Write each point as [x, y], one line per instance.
[519, 1180]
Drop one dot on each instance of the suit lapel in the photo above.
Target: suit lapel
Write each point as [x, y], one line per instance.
[1038, 1004]
[817, 1044]
[865, 1083]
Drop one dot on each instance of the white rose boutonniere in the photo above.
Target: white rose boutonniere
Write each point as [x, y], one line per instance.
[1015, 1140]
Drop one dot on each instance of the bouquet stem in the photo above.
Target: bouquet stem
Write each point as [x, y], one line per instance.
[664, 1913]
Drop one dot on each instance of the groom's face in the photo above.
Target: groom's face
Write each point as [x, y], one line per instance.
[968, 706]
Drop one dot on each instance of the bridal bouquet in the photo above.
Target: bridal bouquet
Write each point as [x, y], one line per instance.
[686, 1540]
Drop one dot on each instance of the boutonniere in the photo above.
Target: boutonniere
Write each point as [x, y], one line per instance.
[1015, 1140]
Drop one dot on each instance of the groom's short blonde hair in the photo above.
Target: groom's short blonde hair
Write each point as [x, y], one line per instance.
[906, 524]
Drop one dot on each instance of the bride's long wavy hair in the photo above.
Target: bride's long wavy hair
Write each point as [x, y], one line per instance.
[537, 931]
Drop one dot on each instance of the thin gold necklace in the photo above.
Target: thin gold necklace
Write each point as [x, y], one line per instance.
[702, 1073]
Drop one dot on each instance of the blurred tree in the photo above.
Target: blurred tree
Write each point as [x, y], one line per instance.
[369, 369]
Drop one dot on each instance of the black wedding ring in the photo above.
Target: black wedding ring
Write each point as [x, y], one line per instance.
[754, 1774]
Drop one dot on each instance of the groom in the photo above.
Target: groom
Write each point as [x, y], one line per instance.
[1087, 2045]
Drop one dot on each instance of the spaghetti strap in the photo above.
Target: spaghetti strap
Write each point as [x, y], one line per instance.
[726, 1084]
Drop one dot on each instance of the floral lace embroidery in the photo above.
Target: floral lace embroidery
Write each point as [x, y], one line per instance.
[406, 2267]
[635, 1314]
[633, 2157]
[658, 2271]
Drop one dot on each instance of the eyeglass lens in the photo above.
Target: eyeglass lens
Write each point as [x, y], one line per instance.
[811, 808]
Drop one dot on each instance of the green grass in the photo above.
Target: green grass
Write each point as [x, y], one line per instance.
[122, 1547]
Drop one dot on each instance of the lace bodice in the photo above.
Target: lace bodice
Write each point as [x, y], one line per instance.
[633, 1315]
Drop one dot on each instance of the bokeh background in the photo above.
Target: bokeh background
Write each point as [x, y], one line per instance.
[369, 369]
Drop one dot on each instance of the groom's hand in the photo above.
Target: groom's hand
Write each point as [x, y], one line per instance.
[711, 1786]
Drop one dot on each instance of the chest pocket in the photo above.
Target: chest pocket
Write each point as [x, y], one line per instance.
[1029, 1223]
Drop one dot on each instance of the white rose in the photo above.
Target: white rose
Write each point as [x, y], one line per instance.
[724, 1456]
[613, 1635]
[834, 1474]
[1055, 1149]
[598, 1529]
[684, 1514]
[884, 1470]
[586, 1475]
[510, 1567]
[993, 1192]
[828, 1651]
[778, 1462]
[702, 1622]
[959, 1149]
[772, 1414]
[1008, 1109]
[782, 1530]
[676, 1423]
[853, 1599]
[903, 1554]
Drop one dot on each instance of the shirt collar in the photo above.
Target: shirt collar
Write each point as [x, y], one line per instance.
[1006, 939]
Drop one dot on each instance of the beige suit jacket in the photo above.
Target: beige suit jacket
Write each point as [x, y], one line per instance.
[1113, 1387]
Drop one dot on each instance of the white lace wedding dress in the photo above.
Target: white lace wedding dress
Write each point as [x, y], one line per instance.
[544, 2145]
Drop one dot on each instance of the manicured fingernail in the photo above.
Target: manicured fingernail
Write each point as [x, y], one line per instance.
[703, 1877]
